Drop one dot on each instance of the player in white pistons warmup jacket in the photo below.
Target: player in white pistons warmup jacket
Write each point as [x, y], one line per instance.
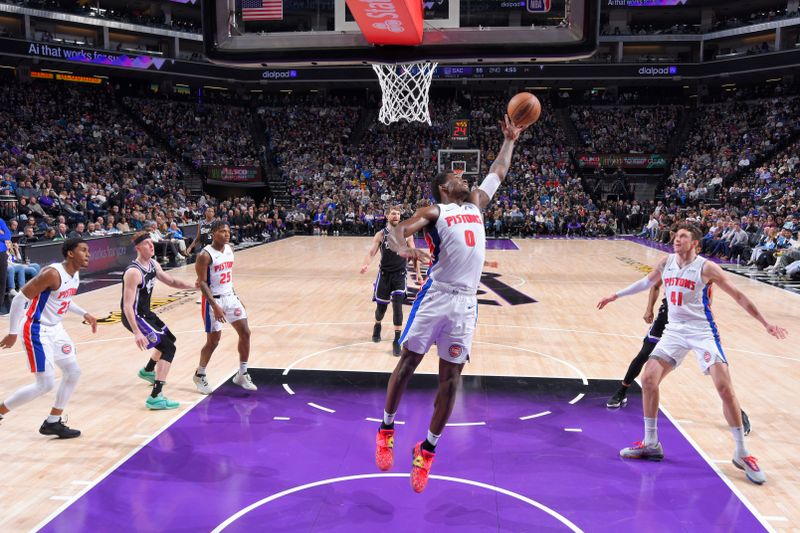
[220, 304]
[688, 280]
[38, 311]
[445, 310]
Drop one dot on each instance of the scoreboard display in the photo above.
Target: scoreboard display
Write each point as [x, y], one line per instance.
[459, 131]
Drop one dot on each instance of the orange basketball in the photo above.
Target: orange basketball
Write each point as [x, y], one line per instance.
[524, 109]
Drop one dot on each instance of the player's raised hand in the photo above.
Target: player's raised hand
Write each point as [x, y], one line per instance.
[92, 321]
[774, 330]
[510, 131]
[607, 300]
[8, 341]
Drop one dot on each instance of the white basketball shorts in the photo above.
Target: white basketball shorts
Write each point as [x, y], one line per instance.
[678, 339]
[444, 316]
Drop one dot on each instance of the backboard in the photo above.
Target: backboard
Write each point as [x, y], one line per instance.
[283, 33]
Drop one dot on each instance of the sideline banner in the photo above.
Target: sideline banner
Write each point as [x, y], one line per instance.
[649, 161]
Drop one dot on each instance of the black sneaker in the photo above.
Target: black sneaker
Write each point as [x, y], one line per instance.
[618, 400]
[396, 349]
[376, 333]
[58, 429]
[745, 423]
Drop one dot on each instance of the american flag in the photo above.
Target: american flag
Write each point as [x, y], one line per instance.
[262, 10]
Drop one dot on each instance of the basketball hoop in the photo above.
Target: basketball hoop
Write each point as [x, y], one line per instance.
[405, 88]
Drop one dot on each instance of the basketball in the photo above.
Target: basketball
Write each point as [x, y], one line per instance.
[524, 109]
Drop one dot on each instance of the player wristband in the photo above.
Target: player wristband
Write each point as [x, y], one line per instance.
[490, 184]
[639, 286]
[77, 309]
[17, 312]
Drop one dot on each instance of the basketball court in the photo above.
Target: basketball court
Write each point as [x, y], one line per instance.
[530, 446]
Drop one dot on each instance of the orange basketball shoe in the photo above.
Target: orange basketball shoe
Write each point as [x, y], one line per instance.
[421, 467]
[384, 449]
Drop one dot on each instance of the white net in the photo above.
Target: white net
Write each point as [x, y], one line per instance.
[405, 88]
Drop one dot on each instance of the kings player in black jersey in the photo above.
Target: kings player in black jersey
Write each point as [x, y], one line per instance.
[390, 285]
[149, 331]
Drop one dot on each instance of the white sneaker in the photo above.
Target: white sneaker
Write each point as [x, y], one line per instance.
[12, 292]
[199, 300]
[202, 384]
[751, 469]
[244, 381]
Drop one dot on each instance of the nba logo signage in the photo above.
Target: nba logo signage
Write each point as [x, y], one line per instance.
[539, 6]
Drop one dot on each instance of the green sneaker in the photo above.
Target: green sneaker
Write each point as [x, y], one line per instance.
[160, 403]
[149, 377]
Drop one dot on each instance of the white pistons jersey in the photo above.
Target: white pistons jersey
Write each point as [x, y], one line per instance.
[688, 296]
[220, 271]
[49, 307]
[458, 245]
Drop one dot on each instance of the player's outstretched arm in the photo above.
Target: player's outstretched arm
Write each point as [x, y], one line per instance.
[201, 268]
[497, 172]
[714, 274]
[48, 278]
[373, 249]
[638, 286]
[173, 282]
[409, 227]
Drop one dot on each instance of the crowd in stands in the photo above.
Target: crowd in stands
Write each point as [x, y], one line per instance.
[82, 162]
[152, 16]
[626, 129]
[205, 134]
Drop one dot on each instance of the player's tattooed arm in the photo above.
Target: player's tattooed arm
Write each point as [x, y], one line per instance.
[201, 268]
[712, 273]
[408, 228]
[373, 249]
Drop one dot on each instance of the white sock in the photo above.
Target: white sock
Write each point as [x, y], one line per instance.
[242, 368]
[52, 419]
[201, 371]
[433, 439]
[738, 438]
[650, 431]
[388, 418]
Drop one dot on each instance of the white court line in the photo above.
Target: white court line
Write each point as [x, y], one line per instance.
[321, 408]
[574, 430]
[119, 463]
[81, 482]
[378, 420]
[576, 399]
[295, 363]
[287, 388]
[684, 421]
[61, 498]
[230, 520]
[776, 518]
[577, 370]
[281, 418]
[306, 324]
[716, 469]
[141, 436]
[537, 415]
[463, 424]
